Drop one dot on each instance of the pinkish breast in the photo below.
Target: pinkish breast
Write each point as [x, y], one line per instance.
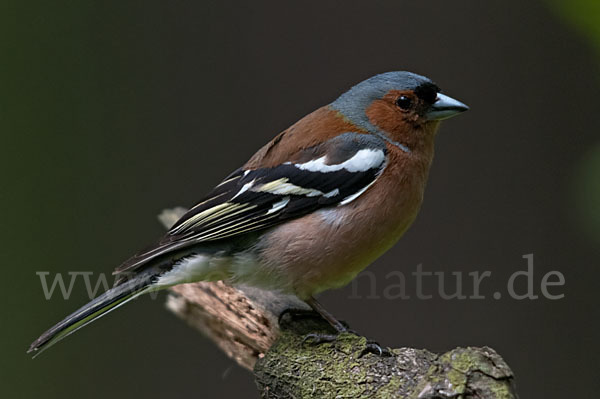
[327, 248]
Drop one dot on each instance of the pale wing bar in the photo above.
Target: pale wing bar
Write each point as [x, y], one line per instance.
[333, 174]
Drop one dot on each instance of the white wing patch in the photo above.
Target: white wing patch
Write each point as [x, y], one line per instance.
[282, 187]
[362, 161]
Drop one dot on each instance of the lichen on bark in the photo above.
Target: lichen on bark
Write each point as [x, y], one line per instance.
[294, 368]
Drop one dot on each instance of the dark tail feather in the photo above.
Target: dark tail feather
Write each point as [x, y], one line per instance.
[93, 310]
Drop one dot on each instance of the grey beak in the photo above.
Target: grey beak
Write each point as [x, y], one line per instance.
[445, 107]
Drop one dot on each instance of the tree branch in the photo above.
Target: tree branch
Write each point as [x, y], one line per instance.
[243, 322]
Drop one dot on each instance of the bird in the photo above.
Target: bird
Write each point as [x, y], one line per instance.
[308, 211]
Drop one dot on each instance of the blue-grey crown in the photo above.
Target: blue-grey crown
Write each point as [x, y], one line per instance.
[354, 103]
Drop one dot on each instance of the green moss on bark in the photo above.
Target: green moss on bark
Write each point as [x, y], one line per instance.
[296, 369]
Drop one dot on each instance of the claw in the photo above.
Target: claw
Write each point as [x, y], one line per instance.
[339, 326]
[376, 349]
[319, 338]
[371, 346]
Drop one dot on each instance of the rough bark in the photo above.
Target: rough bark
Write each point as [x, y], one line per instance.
[240, 321]
[244, 323]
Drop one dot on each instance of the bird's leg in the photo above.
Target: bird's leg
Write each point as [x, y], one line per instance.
[335, 323]
[317, 338]
[297, 314]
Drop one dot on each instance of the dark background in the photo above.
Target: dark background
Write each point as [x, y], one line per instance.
[111, 112]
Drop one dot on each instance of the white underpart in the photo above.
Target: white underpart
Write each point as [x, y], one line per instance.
[279, 205]
[240, 268]
[332, 216]
[362, 161]
[195, 268]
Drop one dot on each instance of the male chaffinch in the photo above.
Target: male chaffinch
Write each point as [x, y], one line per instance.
[311, 209]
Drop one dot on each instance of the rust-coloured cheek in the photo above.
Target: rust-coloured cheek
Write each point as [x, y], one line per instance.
[386, 115]
[388, 118]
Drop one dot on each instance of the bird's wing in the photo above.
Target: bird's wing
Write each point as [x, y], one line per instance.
[331, 174]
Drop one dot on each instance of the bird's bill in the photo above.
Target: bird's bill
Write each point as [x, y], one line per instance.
[445, 107]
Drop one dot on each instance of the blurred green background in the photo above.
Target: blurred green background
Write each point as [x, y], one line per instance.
[112, 111]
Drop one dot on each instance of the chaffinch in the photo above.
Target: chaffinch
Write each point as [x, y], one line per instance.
[311, 209]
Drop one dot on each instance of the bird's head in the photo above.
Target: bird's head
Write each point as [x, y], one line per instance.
[400, 106]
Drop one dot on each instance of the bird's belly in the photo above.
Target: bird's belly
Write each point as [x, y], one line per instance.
[328, 248]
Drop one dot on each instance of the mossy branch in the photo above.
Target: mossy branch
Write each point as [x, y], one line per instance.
[244, 323]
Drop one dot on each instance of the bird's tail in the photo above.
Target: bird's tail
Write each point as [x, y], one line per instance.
[93, 310]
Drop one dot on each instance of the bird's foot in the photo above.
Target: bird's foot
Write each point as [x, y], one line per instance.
[319, 338]
[376, 349]
[370, 346]
[297, 314]
[338, 326]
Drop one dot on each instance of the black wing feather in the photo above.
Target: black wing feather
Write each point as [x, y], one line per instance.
[242, 204]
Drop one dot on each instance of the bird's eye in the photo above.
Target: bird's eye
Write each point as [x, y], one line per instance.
[404, 102]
